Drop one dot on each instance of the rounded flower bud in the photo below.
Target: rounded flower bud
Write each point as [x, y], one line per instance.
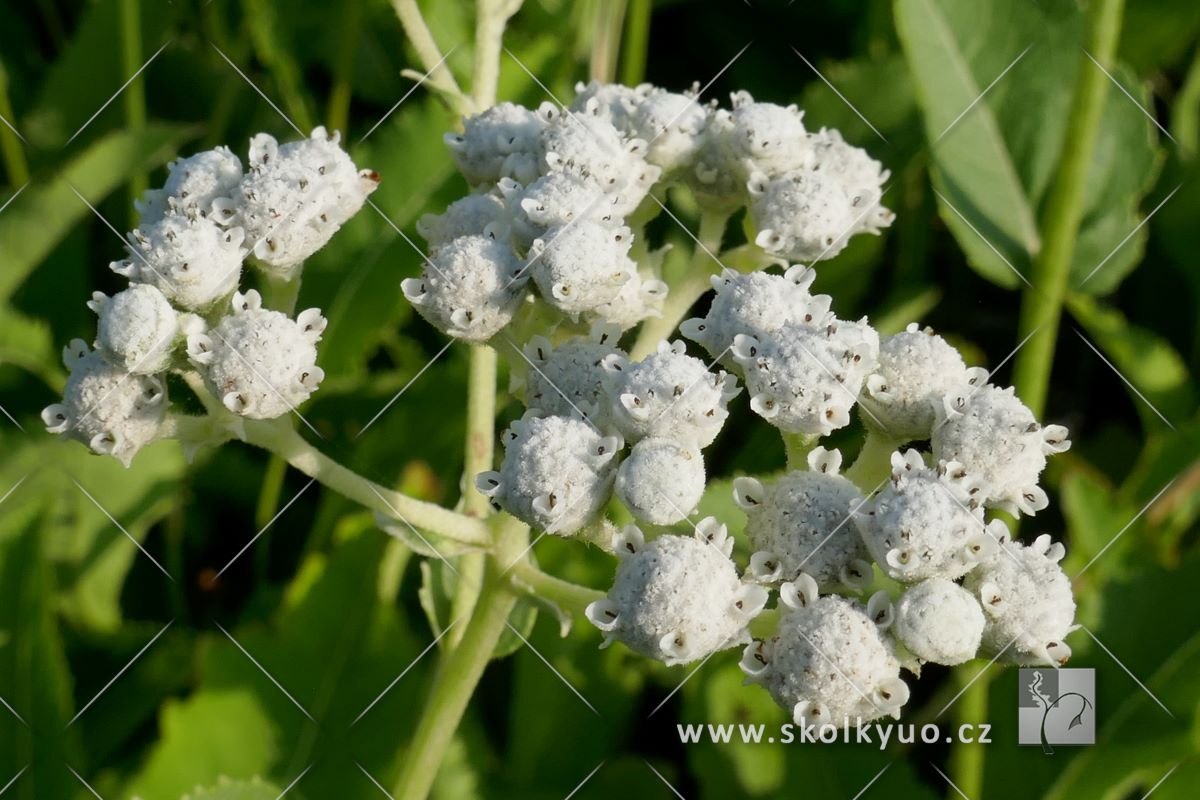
[1027, 601]
[570, 378]
[925, 523]
[112, 411]
[862, 178]
[470, 288]
[259, 362]
[802, 215]
[1000, 444]
[661, 481]
[756, 304]
[677, 599]
[295, 197]
[672, 124]
[916, 370]
[828, 662]
[581, 265]
[671, 395]
[639, 298]
[804, 378]
[137, 328]
[612, 102]
[555, 201]
[718, 179]
[801, 523]
[938, 621]
[557, 473]
[467, 216]
[502, 142]
[193, 183]
[189, 258]
[766, 137]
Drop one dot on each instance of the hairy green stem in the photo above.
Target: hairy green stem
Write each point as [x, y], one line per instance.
[608, 17]
[10, 146]
[874, 462]
[430, 54]
[797, 446]
[491, 17]
[286, 442]
[637, 42]
[570, 597]
[134, 96]
[966, 763]
[1042, 300]
[696, 281]
[461, 668]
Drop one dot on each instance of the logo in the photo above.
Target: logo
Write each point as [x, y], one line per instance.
[1056, 706]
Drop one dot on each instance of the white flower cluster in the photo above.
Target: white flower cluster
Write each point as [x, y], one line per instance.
[565, 457]
[184, 266]
[553, 188]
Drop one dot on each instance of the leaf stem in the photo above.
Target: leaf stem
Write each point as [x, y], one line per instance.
[10, 146]
[491, 19]
[797, 446]
[874, 462]
[696, 281]
[966, 763]
[1042, 299]
[637, 42]
[566, 595]
[134, 96]
[280, 438]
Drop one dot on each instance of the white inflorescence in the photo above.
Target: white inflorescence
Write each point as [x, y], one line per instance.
[1027, 601]
[829, 661]
[260, 363]
[1000, 444]
[570, 378]
[661, 481]
[294, 198]
[801, 522]
[557, 473]
[580, 267]
[939, 622]
[185, 262]
[917, 369]
[925, 522]
[464, 217]
[677, 599]
[669, 394]
[137, 328]
[502, 142]
[110, 410]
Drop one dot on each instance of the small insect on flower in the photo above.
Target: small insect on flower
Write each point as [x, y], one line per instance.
[259, 362]
[112, 411]
[940, 622]
[677, 599]
[829, 662]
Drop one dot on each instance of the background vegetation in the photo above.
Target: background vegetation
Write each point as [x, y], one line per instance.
[334, 610]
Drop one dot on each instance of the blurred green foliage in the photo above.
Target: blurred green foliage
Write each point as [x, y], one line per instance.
[334, 611]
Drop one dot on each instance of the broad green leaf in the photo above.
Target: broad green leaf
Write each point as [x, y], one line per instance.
[1144, 359]
[41, 216]
[35, 681]
[27, 343]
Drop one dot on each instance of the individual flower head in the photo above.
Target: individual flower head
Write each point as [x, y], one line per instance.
[766, 137]
[294, 198]
[661, 481]
[193, 183]
[502, 142]
[1000, 444]
[137, 328]
[112, 411]
[925, 522]
[557, 473]
[671, 124]
[717, 177]
[569, 378]
[861, 176]
[938, 621]
[640, 298]
[555, 201]
[260, 363]
[805, 378]
[466, 216]
[829, 662]
[1027, 601]
[756, 304]
[587, 145]
[610, 101]
[677, 599]
[801, 523]
[802, 215]
[916, 370]
[189, 258]
[471, 287]
[669, 394]
[582, 265]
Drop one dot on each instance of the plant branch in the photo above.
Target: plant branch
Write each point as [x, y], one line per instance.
[874, 461]
[566, 595]
[491, 18]
[280, 438]
[1042, 300]
[696, 281]
[430, 55]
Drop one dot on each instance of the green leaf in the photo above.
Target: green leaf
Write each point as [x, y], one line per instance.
[34, 678]
[227, 789]
[1144, 359]
[43, 214]
[27, 343]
